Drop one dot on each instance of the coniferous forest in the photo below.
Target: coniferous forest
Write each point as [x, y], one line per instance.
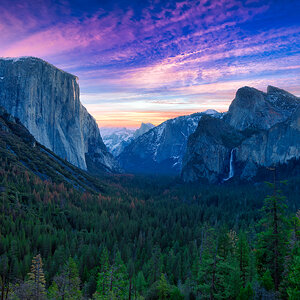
[149, 150]
[147, 238]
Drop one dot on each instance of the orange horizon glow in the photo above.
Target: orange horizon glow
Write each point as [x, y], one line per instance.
[159, 61]
[134, 119]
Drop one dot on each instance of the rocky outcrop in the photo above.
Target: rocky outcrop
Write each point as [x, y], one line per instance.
[145, 127]
[260, 130]
[46, 100]
[253, 109]
[161, 149]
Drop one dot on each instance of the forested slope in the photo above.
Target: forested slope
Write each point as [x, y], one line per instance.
[130, 237]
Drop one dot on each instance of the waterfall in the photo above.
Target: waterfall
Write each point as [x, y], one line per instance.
[231, 168]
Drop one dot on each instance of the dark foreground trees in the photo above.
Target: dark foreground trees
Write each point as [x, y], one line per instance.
[144, 240]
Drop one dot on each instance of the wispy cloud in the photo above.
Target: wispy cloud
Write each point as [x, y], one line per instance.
[158, 56]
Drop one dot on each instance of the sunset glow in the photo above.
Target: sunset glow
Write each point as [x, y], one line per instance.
[148, 61]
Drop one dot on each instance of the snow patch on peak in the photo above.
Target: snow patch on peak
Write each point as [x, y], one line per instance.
[15, 59]
[117, 138]
[210, 112]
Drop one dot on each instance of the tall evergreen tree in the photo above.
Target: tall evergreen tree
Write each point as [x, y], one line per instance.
[37, 278]
[119, 278]
[103, 282]
[155, 265]
[272, 241]
[163, 287]
[66, 284]
[140, 282]
[243, 257]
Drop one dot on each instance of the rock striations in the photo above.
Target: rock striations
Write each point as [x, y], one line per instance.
[20, 151]
[46, 100]
[260, 130]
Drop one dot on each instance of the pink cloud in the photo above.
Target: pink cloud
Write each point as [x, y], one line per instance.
[111, 32]
[197, 50]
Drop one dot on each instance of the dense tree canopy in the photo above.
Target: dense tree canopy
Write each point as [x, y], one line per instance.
[146, 238]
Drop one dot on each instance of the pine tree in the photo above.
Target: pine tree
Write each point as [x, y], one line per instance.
[119, 278]
[37, 278]
[155, 265]
[207, 274]
[163, 287]
[246, 293]
[53, 291]
[243, 257]
[66, 285]
[271, 247]
[140, 282]
[103, 282]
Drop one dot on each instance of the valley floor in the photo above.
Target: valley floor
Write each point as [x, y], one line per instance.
[146, 238]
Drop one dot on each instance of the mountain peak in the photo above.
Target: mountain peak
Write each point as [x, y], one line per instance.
[282, 100]
[145, 127]
[25, 60]
[210, 112]
[246, 93]
[273, 89]
[147, 124]
[255, 109]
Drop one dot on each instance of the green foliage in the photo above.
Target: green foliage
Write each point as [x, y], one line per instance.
[36, 278]
[163, 287]
[103, 282]
[273, 240]
[141, 283]
[267, 281]
[66, 283]
[112, 279]
[294, 279]
[246, 293]
[203, 239]
[120, 281]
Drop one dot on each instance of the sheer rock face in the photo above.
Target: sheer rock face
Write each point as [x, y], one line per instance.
[278, 145]
[161, 149]
[46, 100]
[208, 150]
[262, 128]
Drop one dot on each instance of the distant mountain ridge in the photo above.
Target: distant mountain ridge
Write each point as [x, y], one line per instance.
[46, 100]
[161, 149]
[116, 139]
[260, 131]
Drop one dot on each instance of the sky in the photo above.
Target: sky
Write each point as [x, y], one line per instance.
[148, 61]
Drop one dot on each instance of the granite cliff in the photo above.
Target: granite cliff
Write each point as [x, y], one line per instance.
[253, 109]
[46, 100]
[260, 130]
